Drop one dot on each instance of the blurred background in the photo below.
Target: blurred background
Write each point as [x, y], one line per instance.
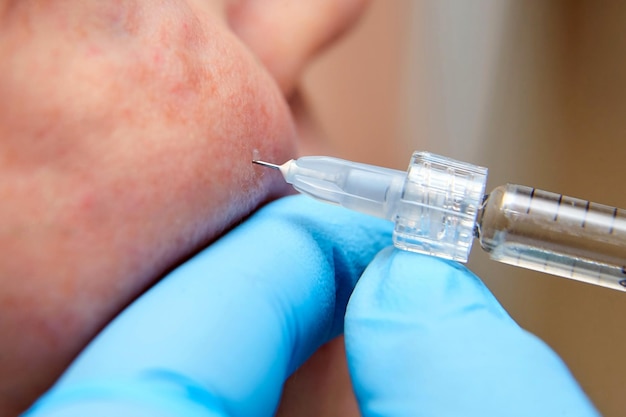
[535, 91]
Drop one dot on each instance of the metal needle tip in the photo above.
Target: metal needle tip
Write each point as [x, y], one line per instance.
[266, 164]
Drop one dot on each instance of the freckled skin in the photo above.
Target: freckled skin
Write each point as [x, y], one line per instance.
[126, 133]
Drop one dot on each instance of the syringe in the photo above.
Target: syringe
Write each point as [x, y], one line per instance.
[439, 205]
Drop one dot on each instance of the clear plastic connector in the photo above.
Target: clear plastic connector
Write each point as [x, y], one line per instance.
[439, 203]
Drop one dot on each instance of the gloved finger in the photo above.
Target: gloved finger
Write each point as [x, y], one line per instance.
[424, 337]
[223, 331]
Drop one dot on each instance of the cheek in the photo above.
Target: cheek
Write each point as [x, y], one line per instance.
[176, 110]
[124, 150]
[219, 124]
[217, 106]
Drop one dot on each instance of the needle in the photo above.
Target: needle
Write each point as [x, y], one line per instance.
[266, 164]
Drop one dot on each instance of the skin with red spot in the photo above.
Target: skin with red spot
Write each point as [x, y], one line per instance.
[126, 133]
[111, 181]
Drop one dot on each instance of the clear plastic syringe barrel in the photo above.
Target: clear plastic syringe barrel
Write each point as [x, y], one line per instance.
[555, 234]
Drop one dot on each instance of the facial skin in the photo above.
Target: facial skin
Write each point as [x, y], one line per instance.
[126, 134]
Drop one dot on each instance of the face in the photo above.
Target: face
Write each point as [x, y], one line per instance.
[127, 129]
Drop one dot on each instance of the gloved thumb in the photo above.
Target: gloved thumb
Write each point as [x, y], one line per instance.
[425, 337]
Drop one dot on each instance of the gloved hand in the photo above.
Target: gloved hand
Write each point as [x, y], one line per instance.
[219, 335]
[425, 337]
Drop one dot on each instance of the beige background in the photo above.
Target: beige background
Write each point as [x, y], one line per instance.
[534, 90]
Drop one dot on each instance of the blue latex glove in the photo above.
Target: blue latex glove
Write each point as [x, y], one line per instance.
[218, 336]
[425, 337]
